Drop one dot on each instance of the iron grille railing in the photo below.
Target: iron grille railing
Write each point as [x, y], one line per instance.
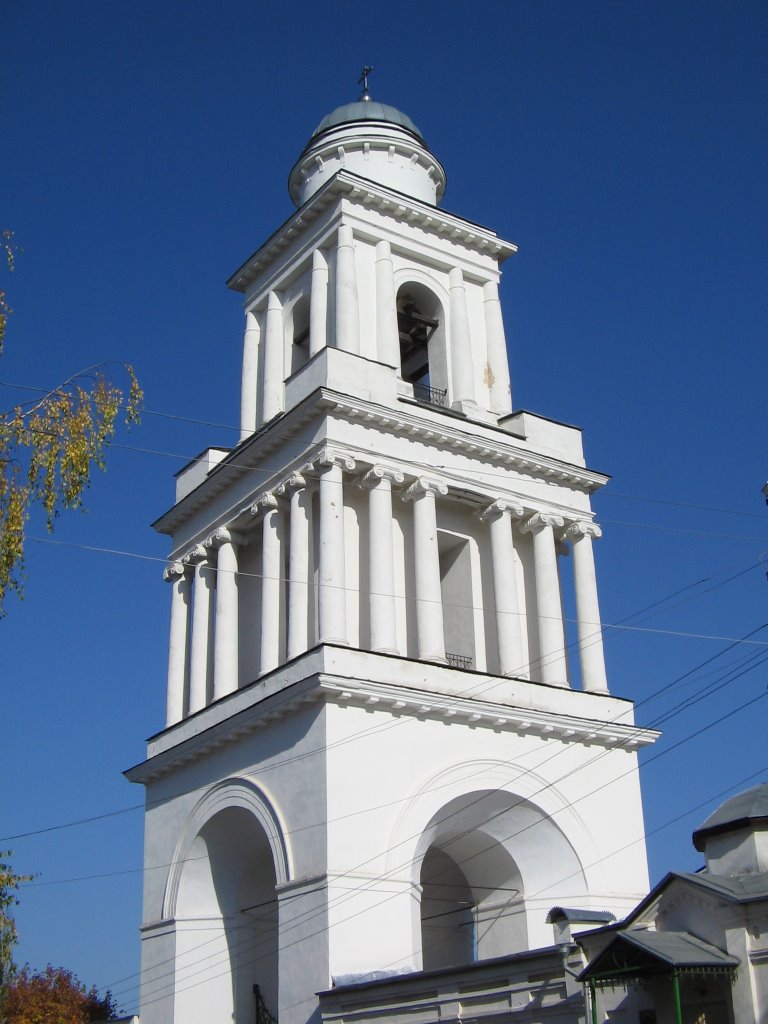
[263, 1016]
[459, 660]
[432, 396]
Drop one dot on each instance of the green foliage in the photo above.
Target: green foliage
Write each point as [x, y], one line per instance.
[49, 447]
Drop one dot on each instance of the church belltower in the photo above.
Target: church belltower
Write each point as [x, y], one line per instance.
[384, 752]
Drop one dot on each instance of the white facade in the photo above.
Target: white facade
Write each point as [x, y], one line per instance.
[375, 755]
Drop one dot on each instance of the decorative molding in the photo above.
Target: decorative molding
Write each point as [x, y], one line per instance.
[328, 457]
[195, 555]
[582, 528]
[401, 208]
[424, 485]
[263, 504]
[501, 507]
[294, 482]
[379, 472]
[224, 535]
[441, 432]
[177, 568]
[540, 520]
[486, 714]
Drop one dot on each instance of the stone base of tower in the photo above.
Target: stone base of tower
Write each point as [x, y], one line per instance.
[396, 815]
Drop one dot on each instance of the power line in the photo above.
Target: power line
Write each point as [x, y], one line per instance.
[353, 590]
[404, 865]
[302, 921]
[483, 473]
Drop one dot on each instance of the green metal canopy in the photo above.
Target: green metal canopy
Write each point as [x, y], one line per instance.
[635, 955]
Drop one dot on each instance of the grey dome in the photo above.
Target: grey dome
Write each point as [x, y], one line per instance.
[740, 811]
[366, 110]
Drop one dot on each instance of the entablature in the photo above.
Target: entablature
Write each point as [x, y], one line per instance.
[345, 676]
[508, 463]
[394, 205]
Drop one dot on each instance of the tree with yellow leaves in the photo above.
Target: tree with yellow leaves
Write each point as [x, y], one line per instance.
[49, 447]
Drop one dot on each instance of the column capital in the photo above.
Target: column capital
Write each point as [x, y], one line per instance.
[223, 536]
[501, 507]
[196, 555]
[346, 235]
[264, 504]
[273, 302]
[582, 528]
[540, 520]
[326, 458]
[377, 473]
[455, 278]
[294, 482]
[424, 485]
[175, 570]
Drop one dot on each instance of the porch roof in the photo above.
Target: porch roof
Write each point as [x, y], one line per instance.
[635, 954]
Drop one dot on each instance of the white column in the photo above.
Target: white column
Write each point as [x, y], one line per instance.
[509, 626]
[426, 557]
[387, 336]
[332, 604]
[249, 384]
[202, 608]
[225, 651]
[177, 575]
[590, 634]
[347, 314]
[462, 367]
[298, 563]
[552, 666]
[381, 569]
[318, 304]
[271, 582]
[498, 362]
[274, 368]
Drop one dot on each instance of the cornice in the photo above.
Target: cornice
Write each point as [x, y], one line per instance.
[492, 445]
[449, 434]
[487, 714]
[398, 700]
[369, 194]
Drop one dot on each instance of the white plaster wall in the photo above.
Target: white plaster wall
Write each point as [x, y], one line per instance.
[286, 761]
[379, 805]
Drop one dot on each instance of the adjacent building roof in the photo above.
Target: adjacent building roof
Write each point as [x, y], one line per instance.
[741, 811]
[637, 953]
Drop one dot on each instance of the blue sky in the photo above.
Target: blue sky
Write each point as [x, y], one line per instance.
[146, 149]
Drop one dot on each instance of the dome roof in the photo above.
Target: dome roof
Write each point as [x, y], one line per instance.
[740, 811]
[366, 110]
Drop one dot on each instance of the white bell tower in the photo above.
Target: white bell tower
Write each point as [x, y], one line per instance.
[375, 757]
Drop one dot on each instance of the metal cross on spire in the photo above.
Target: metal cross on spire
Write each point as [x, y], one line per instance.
[363, 80]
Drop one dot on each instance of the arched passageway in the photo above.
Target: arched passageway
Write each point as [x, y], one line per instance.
[490, 863]
[227, 922]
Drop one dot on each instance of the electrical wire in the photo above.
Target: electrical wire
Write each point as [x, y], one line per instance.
[662, 753]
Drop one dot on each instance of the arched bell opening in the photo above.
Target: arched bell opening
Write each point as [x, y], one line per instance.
[490, 865]
[421, 330]
[227, 922]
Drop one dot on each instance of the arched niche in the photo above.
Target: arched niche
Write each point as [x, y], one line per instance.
[221, 891]
[489, 864]
[423, 339]
[296, 320]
